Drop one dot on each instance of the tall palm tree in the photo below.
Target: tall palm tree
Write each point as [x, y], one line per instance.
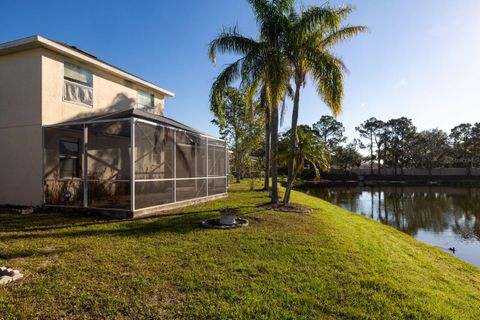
[307, 45]
[262, 67]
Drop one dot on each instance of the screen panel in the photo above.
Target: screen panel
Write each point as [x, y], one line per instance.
[109, 194]
[217, 186]
[216, 158]
[153, 152]
[55, 140]
[153, 193]
[201, 159]
[63, 192]
[191, 189]
[185, 155]
[109, 151]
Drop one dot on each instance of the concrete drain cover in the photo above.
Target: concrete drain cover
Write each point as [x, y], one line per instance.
[8, 275]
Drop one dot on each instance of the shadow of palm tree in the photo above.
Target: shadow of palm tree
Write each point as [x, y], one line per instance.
[24, 253]
[41, 225]
[181, 223]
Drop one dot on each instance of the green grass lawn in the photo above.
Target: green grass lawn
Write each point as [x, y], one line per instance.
[330, 264]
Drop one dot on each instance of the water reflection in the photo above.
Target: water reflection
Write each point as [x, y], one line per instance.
[441, 216]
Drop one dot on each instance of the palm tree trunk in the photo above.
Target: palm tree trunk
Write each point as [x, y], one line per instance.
[237, 161]
[293, 143]
[378, 160]
[266, 182]
[287, 194]
[274, 149]
[384, 156]
[371, 154]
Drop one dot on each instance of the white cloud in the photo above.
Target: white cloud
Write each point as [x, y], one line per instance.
[401, 83]
[363, 104]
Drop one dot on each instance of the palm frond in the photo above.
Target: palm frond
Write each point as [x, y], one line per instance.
[327, 74]
[263, 100]
[230, 41]
[321, 18]
[262, 10]
[221, 84]
[283, 110]
[278, 75]
[344, 10]
[342, 34]
[251, 90]
[284, 6]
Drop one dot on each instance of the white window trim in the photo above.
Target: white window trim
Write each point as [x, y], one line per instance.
[78, 84]
[143, 107]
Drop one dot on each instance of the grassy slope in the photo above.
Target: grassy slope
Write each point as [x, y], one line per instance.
[284, 265]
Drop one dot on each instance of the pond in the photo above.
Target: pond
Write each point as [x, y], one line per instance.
[445, 217]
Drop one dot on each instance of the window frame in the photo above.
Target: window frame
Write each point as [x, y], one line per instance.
[88, 85]
[143, 107]
[77, 170]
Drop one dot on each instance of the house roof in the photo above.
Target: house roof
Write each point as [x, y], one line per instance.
[79, 54]
[134, 113]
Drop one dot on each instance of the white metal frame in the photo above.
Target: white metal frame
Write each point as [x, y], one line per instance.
[132, 164]
[133, 180]
[85, 165]
[180, 202]
[175, 167]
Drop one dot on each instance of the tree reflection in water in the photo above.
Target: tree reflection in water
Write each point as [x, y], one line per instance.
[413, 209]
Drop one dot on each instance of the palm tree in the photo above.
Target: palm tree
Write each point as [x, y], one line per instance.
[262, 67]
[309, 149]
[308, 41]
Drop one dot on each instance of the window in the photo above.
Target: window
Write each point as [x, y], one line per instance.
[146, 101]
[78, 85]
[69, 159]
[78, 74]
[156, 157]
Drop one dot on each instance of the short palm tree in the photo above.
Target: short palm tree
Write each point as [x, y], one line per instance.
[309, 150]
[262, 67]
[307, 45]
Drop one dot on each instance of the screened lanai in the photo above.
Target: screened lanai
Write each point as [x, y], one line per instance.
[89, 163]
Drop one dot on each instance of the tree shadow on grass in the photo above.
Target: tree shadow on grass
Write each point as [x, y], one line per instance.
[44, 221]
[174, 222]
[25, 253]
[10, 222]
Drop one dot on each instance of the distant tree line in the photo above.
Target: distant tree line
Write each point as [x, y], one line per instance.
[398, 144]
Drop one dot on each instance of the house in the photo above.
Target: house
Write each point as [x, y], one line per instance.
[69, 122]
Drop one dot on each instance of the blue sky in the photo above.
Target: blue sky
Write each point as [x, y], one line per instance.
[421, 59]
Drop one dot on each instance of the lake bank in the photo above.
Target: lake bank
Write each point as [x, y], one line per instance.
[443, 216]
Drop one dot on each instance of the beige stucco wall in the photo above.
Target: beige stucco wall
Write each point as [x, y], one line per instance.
[20, 128]
[31, 95]
[110, 93]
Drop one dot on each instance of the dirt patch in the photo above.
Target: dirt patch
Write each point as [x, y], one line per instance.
[17, 260]
[18, 209]
[216, 224]
[126, 274]
[286, 208]
[49, 261]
